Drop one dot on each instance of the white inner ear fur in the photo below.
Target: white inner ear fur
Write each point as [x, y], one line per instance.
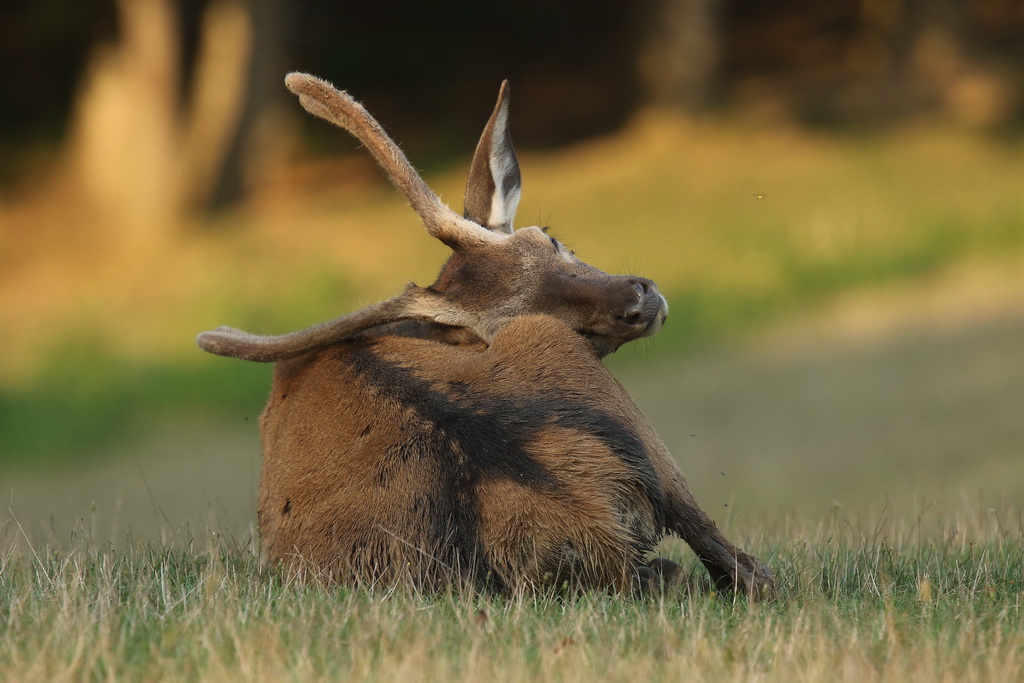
[500, 205]
[503, 206]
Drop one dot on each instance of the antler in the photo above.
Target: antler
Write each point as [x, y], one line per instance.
[414, 303]
[320, 98]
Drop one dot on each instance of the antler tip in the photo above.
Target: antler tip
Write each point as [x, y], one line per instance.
[301, 83]
[205, 341]
[217, 340]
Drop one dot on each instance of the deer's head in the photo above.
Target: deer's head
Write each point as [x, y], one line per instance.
[495, 273]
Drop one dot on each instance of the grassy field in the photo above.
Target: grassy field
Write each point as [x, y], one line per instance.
[859, 600]
[840, 379]
[740, 226]
[865, 469]
[903, 400]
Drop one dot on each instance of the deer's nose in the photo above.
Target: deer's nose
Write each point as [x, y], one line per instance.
[639, 309]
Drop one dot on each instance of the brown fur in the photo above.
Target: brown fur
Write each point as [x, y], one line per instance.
[467, 431]
[366, 479]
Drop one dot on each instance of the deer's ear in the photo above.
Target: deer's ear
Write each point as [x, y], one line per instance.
[493, 189]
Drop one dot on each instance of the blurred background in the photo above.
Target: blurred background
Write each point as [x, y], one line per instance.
[830, 194]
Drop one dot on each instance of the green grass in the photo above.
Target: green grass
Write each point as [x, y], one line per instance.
[86, 402]
[98, 349]
[859, 600]
[98, 340]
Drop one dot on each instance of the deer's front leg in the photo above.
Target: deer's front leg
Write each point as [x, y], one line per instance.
[729, 567]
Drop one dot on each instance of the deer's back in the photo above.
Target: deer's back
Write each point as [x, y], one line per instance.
[393, 458]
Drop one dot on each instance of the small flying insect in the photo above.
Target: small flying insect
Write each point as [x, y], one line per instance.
[758, 195]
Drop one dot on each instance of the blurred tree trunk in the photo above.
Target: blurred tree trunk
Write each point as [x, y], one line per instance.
[217, 100]
[942, 55]
[679, 60]
[145, 153]
[257, 132]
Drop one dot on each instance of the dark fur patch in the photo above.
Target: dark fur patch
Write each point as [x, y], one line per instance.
[474, 437]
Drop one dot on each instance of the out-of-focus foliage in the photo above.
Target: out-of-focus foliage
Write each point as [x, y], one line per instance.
[582, 66]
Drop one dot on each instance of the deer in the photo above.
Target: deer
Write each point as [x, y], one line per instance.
[468, 431]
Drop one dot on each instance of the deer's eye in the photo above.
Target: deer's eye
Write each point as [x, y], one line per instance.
[554, 243]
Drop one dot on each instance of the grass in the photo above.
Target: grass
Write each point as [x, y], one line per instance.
[98, 334]
[864, 599]
[87, 401]
[97, 348]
